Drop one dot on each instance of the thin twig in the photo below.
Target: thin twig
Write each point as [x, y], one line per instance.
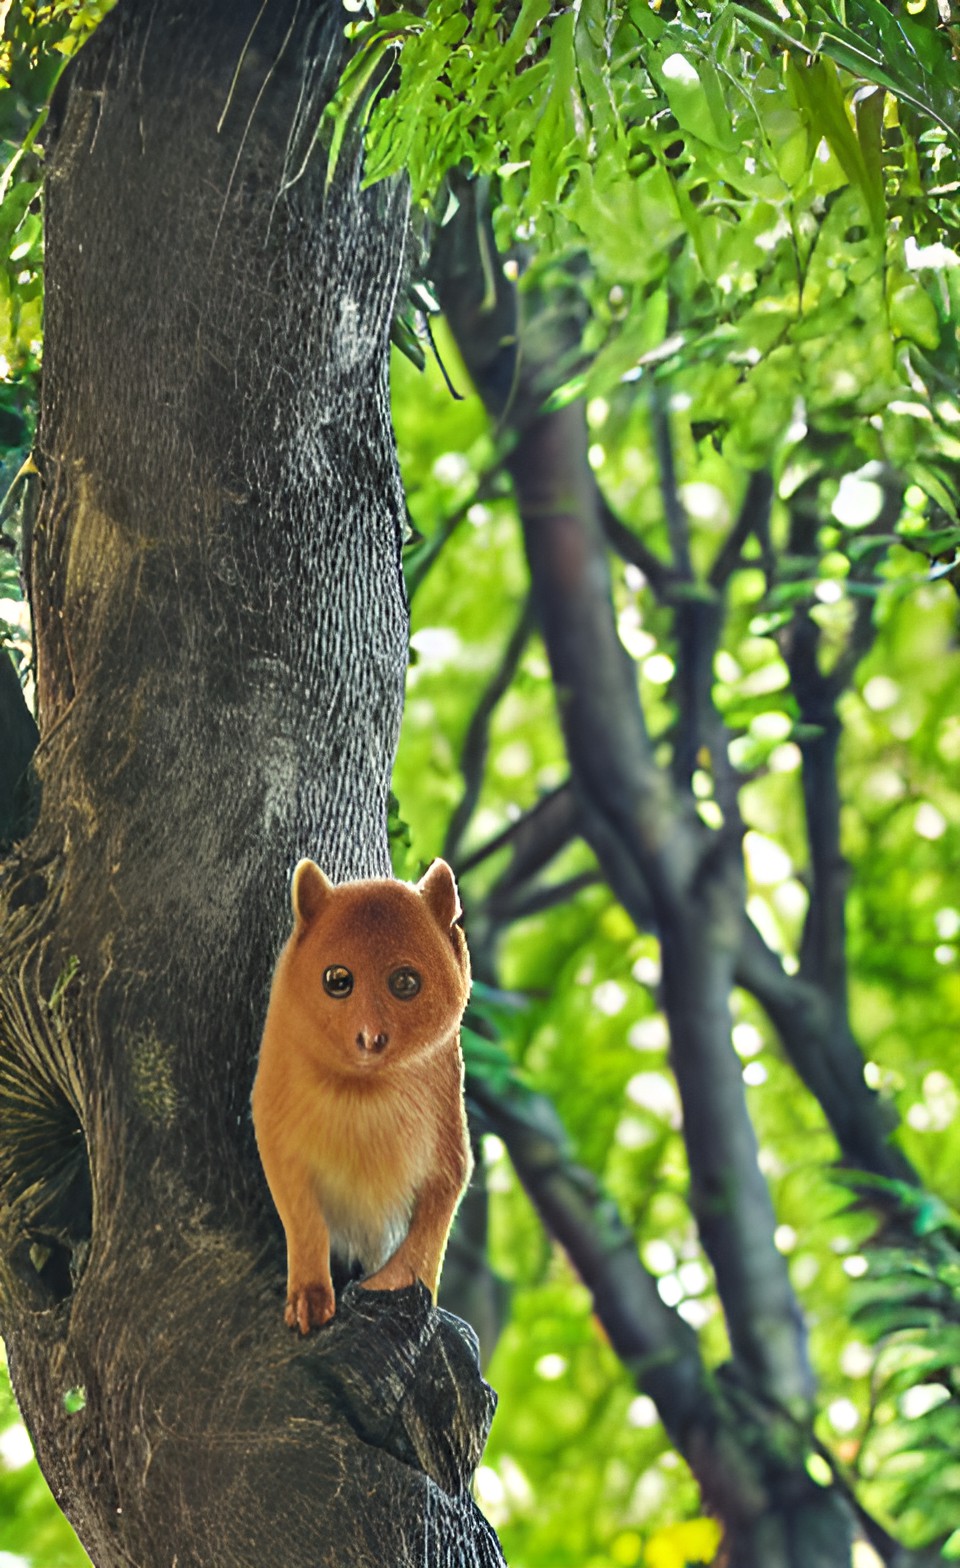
[630, 547]
[678, 524]
[535, 836]
[473, 756]
[419, 562]
[752, 518]
[503, 911]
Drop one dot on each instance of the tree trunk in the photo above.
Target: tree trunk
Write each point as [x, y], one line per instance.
[221, 641]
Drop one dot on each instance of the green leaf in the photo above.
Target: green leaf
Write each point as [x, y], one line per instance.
[817, 88]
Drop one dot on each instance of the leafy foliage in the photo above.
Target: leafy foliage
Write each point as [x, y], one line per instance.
[908, 1305]
[800, 211]
[36, 41]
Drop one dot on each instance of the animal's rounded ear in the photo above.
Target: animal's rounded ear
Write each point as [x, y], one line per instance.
[309, 892]
[438, 889]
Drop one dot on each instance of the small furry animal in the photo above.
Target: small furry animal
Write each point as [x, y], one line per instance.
[358, 1099]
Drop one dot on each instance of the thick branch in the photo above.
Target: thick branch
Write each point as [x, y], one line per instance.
[699, 612]
[826, 1058]
[698, 622]
[823, 946]
[651, 1339]
[828, 1061]
[730, 1199]
[699, 922]
[748, 1456]
[623, 795]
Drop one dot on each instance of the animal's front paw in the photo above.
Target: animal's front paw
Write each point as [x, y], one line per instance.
[309, 1306]
[395, 1275]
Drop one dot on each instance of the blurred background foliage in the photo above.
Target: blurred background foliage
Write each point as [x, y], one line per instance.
[753, 213]
[573, 1429]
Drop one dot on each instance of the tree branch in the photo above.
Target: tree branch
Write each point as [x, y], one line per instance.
[752, 518]
[534, 900]
[678, 523]
[699, 625]
[623, 808]
[823, 943]
[698, 622]
[710, 1419]
[630, 547]
[826, 1057]
[473, 755]
[829, 1062]
[535, 837]
[622, 794]
[657, 1346]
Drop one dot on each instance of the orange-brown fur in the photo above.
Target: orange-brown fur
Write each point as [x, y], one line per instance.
[358, 1099]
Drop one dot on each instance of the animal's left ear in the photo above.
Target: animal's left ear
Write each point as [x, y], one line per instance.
[438, 889]
[309, 893]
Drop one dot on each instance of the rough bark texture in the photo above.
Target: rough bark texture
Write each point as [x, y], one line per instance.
[221, 636]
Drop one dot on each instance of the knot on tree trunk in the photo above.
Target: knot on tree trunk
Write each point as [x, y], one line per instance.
[406, 1379]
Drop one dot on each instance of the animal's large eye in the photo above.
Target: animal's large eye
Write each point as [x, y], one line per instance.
[337, 981]
[404, 983]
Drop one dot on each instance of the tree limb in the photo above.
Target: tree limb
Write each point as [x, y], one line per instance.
[473, 755]
[752, 518]
[630, 547]
[823, 943]
[531, 900]
[715, 1421]
[534, 837]
[827, 1059]
[678, 523]
[657, 1346]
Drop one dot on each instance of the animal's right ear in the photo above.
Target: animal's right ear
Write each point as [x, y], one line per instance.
[438, 889]
[309, 893]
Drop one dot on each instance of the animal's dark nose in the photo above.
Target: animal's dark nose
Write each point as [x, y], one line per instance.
[375, 1043]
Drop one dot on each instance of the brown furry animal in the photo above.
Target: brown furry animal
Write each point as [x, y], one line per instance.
[358, 1098]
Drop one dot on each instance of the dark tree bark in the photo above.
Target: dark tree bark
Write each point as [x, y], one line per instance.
[221, 641]
[19, 736]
